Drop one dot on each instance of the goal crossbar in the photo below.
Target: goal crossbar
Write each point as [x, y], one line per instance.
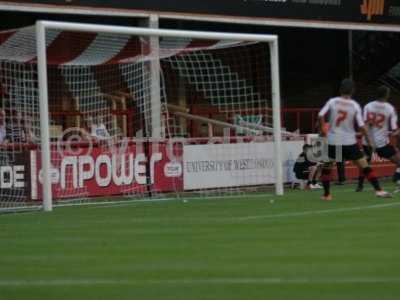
[157, 32]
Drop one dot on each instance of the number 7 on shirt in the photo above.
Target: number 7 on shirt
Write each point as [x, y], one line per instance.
[342, 115]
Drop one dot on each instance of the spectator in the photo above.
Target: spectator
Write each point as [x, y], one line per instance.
[2, 126]
[98, 130]
[15, 127]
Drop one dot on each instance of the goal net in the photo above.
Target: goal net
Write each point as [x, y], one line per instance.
[94, 113]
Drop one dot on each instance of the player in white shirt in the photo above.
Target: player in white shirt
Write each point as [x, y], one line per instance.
[381, 120]
[344, 112]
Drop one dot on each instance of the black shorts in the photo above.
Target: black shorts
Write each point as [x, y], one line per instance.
[348, 152]
[384, 152]
[387, 151]
[304, 174]
[368, 152]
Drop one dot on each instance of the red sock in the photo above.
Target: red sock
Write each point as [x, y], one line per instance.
[370, 174]
[326, 181]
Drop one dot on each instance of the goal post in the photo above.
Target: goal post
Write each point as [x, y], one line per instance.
[276, 115]
[44, 115]
[128, 88]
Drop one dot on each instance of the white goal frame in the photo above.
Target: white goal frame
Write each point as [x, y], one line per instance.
[42, 26]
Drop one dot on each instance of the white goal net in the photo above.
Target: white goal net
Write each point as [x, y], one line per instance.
[94, 113]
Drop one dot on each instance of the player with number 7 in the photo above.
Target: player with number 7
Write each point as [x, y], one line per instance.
[342, 113]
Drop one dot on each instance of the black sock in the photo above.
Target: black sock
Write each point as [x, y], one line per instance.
[326, 181]
[361, 181]
[327, 185]
[368, 172]
[397, 175]
[314, 182]
[375, 183]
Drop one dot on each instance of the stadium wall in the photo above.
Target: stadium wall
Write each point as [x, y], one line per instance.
[355, 11]
[173, 168]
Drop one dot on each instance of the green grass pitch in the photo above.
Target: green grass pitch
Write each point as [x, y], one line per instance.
[254, 247]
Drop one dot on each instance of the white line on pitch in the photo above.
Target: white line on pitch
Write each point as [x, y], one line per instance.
[200, 198]
[195, 281]
[317, 212]
[219, 219]
[177, 199]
